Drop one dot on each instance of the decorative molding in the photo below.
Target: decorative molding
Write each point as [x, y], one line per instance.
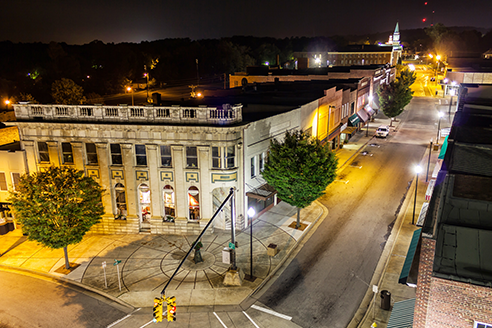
[117, 174]
[93, 173]
[192, 176]
[166, 175]
[224, 177]
[142, 175]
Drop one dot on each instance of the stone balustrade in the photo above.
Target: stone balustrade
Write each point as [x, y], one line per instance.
[202, 115]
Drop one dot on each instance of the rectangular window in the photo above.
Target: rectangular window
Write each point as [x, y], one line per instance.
[3, 182]
[262, 161]
[166, 157]
[141, 155]
[67, 153]
[481, 325]
[230, 157]
[44, 155]
[91, 152]
[253, 168]
[216, 158]
[116, 158]
[15, 180]
[191, 157]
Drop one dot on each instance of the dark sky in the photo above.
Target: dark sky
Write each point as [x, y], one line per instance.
[82, 21]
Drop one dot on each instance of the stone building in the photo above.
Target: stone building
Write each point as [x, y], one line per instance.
[166, 169]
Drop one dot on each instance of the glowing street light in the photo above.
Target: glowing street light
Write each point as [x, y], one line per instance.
[417, 170]
[7, 103]
[131, 89]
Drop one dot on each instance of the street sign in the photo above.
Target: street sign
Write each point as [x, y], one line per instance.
[104, 265]
[116, 262]
[232, 246]
[374, 288]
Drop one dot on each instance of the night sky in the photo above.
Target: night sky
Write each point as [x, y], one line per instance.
[79, 22]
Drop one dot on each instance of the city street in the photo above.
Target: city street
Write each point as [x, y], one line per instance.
[325, 283]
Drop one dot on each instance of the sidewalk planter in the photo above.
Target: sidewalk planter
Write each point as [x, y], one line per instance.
[272, 250]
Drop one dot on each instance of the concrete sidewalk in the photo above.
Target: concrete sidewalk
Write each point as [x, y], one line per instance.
[148, 261]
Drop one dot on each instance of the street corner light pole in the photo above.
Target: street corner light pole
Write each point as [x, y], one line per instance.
[429, 160]
[418, 169]
[440, 114]
[251, 213]
[7, 103]
[131, 89]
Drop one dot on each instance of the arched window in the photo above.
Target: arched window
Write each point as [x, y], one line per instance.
[169, 205]
[145, 206]
[120, 201]
[194, 203]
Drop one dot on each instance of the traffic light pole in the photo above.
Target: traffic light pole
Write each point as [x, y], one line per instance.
[231, 194]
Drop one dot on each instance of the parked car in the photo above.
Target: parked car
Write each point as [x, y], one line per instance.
[382, 131]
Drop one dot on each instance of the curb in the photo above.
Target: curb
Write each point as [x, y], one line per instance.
[66, 282]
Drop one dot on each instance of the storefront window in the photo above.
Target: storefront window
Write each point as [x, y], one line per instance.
[145, 206]
[169, 205]
[194, 203]
[120, 200]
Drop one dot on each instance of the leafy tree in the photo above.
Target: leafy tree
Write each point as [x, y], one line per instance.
[27, 97]
[393, 98]
[405, 75]
[67, 92]
[300, 169]
[57, 207]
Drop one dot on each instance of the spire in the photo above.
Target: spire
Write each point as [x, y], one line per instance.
[397, 29]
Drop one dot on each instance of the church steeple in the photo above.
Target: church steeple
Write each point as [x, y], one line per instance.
[396, 35]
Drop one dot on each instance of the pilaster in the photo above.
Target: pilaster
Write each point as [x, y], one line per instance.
[129, 172]
[205, 183]
[78, 155]
[102, 158]
[155, 193]
[181, 196]
[32, 163]
[54, 151]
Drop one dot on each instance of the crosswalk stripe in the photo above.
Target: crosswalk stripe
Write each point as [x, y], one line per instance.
[280, 315]
[220, 320]
[247, 316]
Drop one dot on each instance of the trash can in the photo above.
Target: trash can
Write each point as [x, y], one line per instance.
[385, 300]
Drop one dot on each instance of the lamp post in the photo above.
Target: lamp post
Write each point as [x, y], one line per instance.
[451, 92]
[7, 103]
[147, 76]
[131, 89]
[428, 162]
[440, 114]
[369, 104]
[418, 169]
[251, 214]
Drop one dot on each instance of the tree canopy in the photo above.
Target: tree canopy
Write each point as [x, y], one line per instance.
[67, 92]
[57, 207]
[299, 168]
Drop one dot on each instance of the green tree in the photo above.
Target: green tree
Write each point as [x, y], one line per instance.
[67, 92]
[57, 207]
[300, 169]
[405, 75]
[393, 98]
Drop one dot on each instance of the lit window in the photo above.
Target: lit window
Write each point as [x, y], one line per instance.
[253, 168]
[15, 180]
[90, 149]
[191, 157]
[169, 206]
[262, 159]
[120, 200]
[166, 157]
[44, 155]
[194, 203]
[141, 155]
[3, 182]
[216, 158]
[116, 158]
[67, 153]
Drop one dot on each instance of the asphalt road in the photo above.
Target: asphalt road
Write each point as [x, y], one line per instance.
[30, 302]
[326, 281]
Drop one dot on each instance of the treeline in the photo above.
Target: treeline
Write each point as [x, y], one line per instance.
[31, 68]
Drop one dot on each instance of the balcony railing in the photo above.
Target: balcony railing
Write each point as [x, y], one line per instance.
[203, 115]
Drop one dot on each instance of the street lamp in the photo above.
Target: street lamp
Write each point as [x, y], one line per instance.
[251, 214]
[131, 89]
[7, 103]
[417, 170]
[369, 104]
[429, 160]
[451, 92]
[440, 114]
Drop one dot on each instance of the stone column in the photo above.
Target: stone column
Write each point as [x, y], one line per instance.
[54, 152]
[205, 184]
[104, 178]
[78, 155]
[181, 192]
[155, 192]
[32, 162]
[129, 176]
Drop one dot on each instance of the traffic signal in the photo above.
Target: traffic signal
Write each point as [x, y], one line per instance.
[157, 309]
[171, 308]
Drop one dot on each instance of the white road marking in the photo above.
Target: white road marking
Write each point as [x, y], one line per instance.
[247, 316]
[280, 315]
[343, 181]
[223, 325]
[118, 321]
[148, 323]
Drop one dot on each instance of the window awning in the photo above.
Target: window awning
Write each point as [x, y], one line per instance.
[350, 130]
[354, 120]
[363, 115]
[402, 314]
[405, 271]
[262, 193]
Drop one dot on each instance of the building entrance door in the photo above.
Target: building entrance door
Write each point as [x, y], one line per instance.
[145, 207]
